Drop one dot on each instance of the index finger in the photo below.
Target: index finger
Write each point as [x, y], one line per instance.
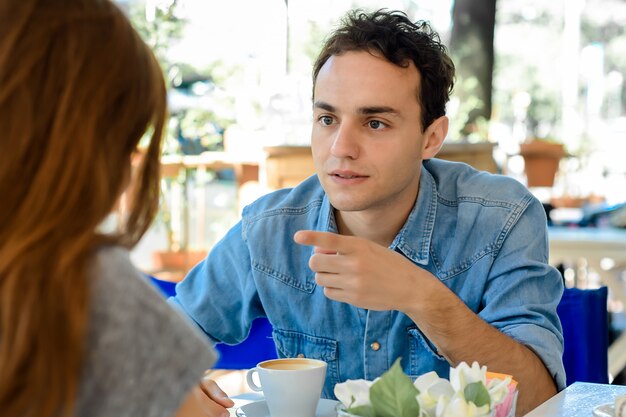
[328, 242]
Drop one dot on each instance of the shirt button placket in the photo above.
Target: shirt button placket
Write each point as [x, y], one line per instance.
[376, 328]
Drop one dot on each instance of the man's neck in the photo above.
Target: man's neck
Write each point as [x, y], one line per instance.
[380, 226]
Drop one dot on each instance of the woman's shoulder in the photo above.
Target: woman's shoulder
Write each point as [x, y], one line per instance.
[142, 357]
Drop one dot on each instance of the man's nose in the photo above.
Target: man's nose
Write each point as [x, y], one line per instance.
[345, 143]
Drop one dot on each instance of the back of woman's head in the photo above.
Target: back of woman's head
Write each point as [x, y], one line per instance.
[78, 89]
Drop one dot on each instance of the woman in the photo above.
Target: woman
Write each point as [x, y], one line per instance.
[81, 332]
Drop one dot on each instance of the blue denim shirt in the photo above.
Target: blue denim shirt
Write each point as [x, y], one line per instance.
[484, 236]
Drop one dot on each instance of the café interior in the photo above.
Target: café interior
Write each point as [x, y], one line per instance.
[551, 113]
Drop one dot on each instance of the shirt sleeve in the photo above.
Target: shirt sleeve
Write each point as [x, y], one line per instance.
[219, 294]
[523, 291]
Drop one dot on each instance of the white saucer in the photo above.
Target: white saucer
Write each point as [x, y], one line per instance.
[604, 410]
[325, 408]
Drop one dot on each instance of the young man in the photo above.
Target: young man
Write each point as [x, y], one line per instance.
[396, 254]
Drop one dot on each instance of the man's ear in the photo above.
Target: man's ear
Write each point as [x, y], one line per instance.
[434, 137]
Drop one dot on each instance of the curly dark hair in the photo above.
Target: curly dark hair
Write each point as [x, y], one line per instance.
[392, 34]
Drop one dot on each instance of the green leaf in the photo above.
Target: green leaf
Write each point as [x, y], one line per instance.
[477, 393]
[362, 411]
[394, 395]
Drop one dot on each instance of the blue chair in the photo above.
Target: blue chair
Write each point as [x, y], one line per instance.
[259, 345]
[584, 318]
[167, 288]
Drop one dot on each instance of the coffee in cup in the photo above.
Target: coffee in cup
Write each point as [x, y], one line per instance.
[291, 386]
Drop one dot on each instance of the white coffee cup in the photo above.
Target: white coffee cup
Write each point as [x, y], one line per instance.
[291, 386]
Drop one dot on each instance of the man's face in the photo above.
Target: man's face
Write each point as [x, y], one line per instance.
[367, 136]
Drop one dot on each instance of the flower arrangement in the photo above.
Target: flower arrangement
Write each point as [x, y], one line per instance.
[470, 392]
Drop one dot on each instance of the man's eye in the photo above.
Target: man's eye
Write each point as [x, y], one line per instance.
[326, 120]
[377, 124]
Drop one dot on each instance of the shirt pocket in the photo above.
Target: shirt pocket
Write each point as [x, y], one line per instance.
[423, 356]
[292, 344]
[304, 282]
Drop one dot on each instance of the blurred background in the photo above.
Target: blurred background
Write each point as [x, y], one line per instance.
[528, 72]
[540, 96]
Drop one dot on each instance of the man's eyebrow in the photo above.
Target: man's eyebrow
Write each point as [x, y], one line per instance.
[377, 110]
[362, 110]
[324, 106]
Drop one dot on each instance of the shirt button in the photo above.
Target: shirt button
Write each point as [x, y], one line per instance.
[375, 346]
[300, 355]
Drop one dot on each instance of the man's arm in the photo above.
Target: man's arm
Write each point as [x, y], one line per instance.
[460, 335]
[357, 271]
[200, 296]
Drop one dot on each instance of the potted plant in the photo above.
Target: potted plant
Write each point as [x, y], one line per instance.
[177, 258]
[541, 161]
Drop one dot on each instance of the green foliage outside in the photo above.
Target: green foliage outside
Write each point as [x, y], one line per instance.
[191, 130]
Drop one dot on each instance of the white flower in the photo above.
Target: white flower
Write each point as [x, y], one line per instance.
[354, 392]
[432, 390]
[439, 397]
[463, 375]
[458, 407]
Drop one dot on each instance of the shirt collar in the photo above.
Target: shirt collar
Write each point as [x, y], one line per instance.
[414, 244]
[415, 237]
[326, 219]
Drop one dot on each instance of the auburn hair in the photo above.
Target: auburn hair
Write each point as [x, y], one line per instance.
[78, 91]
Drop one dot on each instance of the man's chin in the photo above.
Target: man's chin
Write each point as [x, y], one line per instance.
[346, 200]
[348, 206]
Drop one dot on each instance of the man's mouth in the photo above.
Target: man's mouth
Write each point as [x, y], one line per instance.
[346, 175]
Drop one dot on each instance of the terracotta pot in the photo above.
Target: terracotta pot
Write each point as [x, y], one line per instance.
[177, 260]
[541, 162]
[478, 155]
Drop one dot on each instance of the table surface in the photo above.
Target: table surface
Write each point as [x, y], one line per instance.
[588, 233]
[587, 237]
[578, 400]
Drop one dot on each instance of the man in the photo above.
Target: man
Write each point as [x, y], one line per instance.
[396, 254]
